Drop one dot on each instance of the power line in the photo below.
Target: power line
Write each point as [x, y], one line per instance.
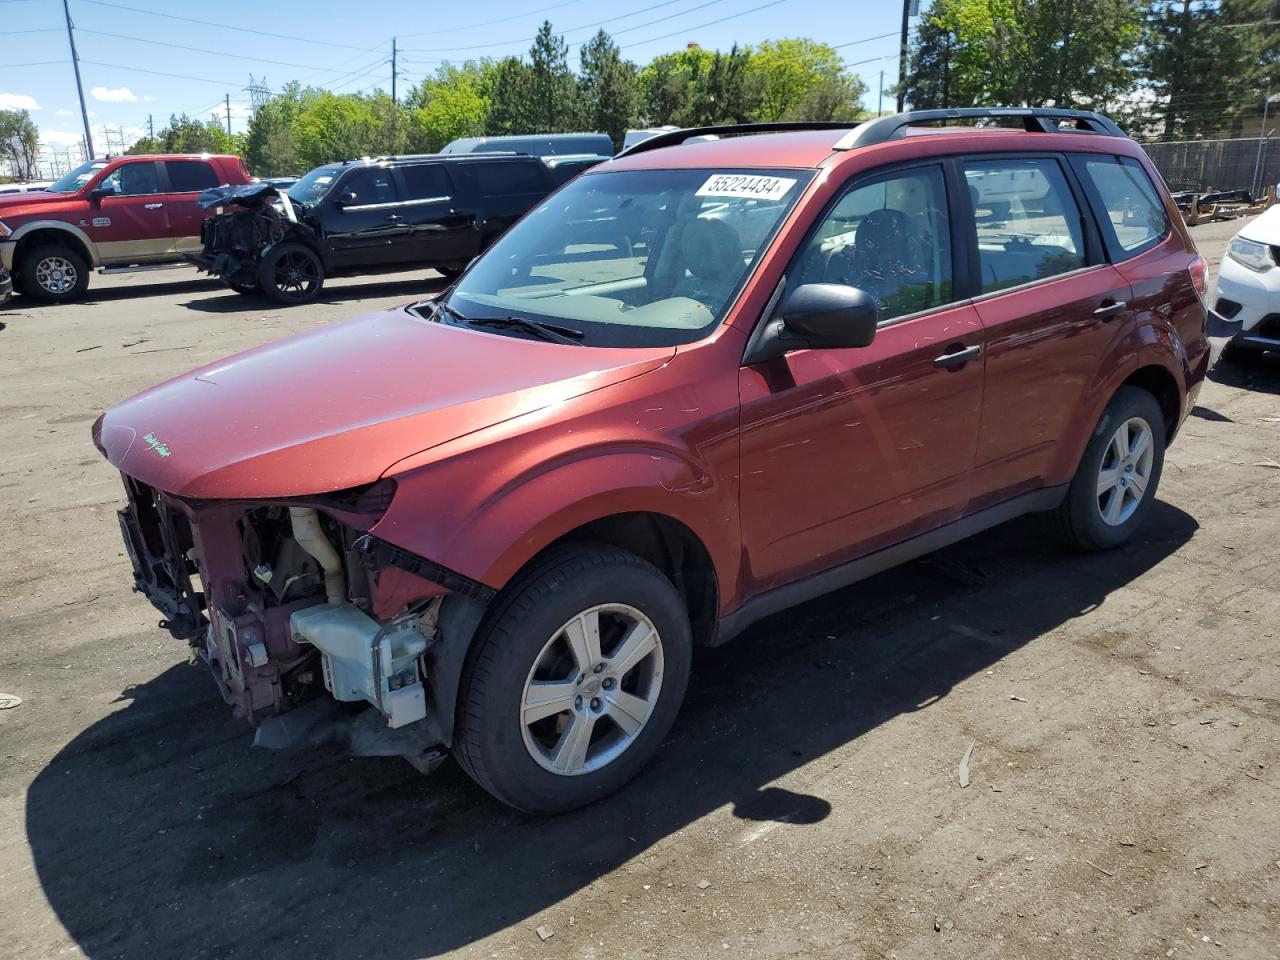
[709, 23]
[32, 63]
[216, 53]
[159, 73]
[586, 26]
[489, 23]
[274, 35]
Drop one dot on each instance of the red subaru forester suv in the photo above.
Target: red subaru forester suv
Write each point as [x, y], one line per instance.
[697, 385]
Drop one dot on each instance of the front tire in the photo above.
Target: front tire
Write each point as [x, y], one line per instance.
[244, 289]
[576, 679]
[1118, 475]
[291, 273]
[54, 273]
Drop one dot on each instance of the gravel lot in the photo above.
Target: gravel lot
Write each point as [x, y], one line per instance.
[1125, 795]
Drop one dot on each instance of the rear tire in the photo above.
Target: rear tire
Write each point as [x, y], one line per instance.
[1118, 475]
[291, 273]
[54, 273]
[551, 719]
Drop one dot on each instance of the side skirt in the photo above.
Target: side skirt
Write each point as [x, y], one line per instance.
[801, 591]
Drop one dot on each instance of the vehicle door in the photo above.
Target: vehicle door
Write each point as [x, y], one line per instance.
[364, 221]
[1050, 306]
[129, 224]
[505, 190]
[439, 231]
[185, 180]
[846, 451]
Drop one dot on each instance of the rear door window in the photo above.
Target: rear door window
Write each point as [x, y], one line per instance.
[426, 181]
[1027, 220]
[1134, 215]
[508, 179]
[190, 176]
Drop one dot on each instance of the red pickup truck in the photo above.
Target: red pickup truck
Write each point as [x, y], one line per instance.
[118, 214]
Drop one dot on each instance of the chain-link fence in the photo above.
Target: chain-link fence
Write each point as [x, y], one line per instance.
[1248, 163]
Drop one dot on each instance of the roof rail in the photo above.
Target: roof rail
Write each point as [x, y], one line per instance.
[674, 138]
[1034, 120]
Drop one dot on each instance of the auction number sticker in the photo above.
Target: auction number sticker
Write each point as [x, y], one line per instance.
[746, 185]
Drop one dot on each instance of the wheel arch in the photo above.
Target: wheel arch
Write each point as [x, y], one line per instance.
[31, 235]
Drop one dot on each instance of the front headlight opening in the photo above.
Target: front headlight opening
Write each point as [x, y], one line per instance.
[4, 229]
[1248, 253]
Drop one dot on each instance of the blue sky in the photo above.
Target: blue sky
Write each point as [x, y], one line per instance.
[133, 64]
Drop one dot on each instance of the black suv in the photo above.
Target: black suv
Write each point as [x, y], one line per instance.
[366, 216]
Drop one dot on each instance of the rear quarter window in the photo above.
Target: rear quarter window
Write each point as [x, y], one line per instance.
[506, 179]
[1132, 213]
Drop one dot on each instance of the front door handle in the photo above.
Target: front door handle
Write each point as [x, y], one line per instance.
[958, 357]
[153, 206]
[393, 218]
[1109, 310]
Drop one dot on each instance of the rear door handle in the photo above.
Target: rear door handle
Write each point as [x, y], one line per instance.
[959, 357]
[1109, 310]
[153, 206]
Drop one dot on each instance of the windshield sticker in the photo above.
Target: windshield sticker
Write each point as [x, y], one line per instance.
[746, 186]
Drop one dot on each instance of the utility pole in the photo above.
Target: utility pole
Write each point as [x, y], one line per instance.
[75, 63]
[151, 128]
[880, 102]
[910, 8]
[228, 102]
[393, 69]
[1255, 185]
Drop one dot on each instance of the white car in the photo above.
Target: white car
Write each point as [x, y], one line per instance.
[1248, 294]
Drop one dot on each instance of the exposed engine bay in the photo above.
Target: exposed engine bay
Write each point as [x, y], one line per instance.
[314, 630]
[258, 218]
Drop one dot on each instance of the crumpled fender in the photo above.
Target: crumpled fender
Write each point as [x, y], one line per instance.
[488, 525]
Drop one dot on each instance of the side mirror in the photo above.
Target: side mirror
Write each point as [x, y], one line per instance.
[345, 199]
[97, 193]
[817, 316]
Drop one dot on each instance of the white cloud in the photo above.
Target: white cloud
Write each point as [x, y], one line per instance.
[63, 112]
[150, 99]
[113, 94]
[17, 101]
[58, 138]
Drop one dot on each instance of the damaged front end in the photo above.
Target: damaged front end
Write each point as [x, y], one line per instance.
[251, 221]
[315, 630]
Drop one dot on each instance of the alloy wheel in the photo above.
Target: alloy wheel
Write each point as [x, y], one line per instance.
[1125, 472]
[592, 689]
[297, 275]
[56, 275]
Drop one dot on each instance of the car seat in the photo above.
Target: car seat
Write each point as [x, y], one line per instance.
[711, 252]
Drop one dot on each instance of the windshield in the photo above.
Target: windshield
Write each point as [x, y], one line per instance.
[632, 258]
[312, 188]
[77, 178]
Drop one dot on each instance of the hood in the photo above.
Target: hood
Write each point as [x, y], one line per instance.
[334, 408]
[11, 203]
[243, 195]
[1264, 228]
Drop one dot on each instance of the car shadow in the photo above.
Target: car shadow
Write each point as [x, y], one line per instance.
[228, 301]
[1259, 373]
[157, 829]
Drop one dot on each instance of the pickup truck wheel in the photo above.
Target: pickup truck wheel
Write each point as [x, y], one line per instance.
[575, 681]
[291, 274]
[1117, 478]
[54, 274]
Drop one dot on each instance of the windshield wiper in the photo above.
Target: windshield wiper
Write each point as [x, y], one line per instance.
[552, 332]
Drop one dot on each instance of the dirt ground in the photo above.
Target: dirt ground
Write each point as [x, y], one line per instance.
[1124, 712]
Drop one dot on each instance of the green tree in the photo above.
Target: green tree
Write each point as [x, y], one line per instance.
[334, 127]
[509, 90]
[19, 142]
[271, 149]
[698, 87]
[450, 105]
[796, 79]
[186, 134]
[607, 88]
[551, 97]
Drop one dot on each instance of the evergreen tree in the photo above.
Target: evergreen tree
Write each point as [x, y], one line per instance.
[607, 88]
